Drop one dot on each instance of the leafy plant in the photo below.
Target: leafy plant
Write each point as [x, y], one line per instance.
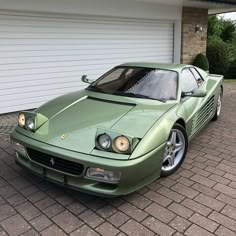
[217, 55]
[231, 73]
[201, 62]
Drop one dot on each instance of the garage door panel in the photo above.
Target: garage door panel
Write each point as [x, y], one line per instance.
[78, 58]
[90, 62]
[10, 99]
[42, 57]
[49, 87]
[81, 47]
[78, 53]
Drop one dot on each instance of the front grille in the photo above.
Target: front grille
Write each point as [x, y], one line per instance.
[56, 163]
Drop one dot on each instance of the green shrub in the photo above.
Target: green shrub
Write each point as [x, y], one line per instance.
[231, 73]
[201, 62]
[217, 55]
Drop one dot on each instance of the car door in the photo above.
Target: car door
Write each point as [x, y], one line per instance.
[191, 104]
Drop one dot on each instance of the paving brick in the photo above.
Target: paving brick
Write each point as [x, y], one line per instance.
[37, 196]
[118, 219]
[28, 210]
[132, 228]
[138, 200]
[222, 231]
[158, 227]
[6, 211]
[203, 180]
[184, 190]
[2, 201]
[229, 211]
[133, 211]
[31, 232]
[210, 202]
[16, 199]
[195, 230]
[95, 204]
[76, 208]
[180, 210]
[185, 181]
[186, 173]
[160, 213]
[180, 224]
[167, 182]
[204, 222]
[106, 211]
[91, 218]
[41, 222]
[197, 207]
[215, 170]
[219, 179]
[228, 169]
[28, 191]
[84, 230]
[171, 194]
[20, 183]
[53, 230]
[200, 171]
[230, 176]
[15, 225]
[45, 203]
[226, 199]
[158, 198]
[53, 210]
[154, 186]
[67, 221]
[232, 185]
[226, 190]
[107, 229]
[7, 191]
[223, 220]
[205, 190]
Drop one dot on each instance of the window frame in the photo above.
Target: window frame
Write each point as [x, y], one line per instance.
[187, 68]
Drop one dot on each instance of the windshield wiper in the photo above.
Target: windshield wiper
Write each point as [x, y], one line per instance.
[138, 96]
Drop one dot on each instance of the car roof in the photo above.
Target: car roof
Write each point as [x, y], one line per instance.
[165, 66]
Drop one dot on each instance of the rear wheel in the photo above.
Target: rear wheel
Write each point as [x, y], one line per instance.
[218, 107]
[175, 152]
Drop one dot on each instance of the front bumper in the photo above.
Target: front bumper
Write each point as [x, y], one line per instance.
[135, 173]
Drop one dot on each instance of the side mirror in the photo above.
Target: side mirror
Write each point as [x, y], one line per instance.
[199, 93]
[85, 79]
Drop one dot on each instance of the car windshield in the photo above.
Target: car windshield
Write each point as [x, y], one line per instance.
[149, 83]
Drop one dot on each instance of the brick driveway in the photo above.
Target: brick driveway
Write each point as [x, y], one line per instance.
[200, 199]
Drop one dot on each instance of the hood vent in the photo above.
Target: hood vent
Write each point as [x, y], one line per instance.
[110, 101]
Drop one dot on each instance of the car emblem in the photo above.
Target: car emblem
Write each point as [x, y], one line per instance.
[52, 161]
[64, 136]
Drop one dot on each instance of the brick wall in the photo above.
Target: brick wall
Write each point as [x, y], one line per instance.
[193, 42]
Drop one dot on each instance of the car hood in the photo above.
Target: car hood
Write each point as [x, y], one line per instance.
[75, 118]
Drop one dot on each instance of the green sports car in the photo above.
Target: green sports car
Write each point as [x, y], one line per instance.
[126, 129]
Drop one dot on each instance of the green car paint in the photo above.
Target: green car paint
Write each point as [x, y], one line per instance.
[68, 127]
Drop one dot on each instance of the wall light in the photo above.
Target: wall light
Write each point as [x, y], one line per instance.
[198, 28]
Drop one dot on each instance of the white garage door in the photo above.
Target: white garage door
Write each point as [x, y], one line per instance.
[42, 57]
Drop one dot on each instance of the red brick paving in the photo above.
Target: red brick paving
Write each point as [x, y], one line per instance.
[198, 200]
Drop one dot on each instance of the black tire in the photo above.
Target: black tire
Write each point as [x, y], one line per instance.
[181, 129]
[217, 115]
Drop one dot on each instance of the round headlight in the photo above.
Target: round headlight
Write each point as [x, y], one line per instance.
[21, 120]
[104, 141]
[29, 123]
[121, 144]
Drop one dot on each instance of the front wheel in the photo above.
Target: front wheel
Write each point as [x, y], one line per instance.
[175, 152]
[218, 107]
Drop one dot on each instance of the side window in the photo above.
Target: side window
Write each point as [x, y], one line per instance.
[189, 83]
[197, 76]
